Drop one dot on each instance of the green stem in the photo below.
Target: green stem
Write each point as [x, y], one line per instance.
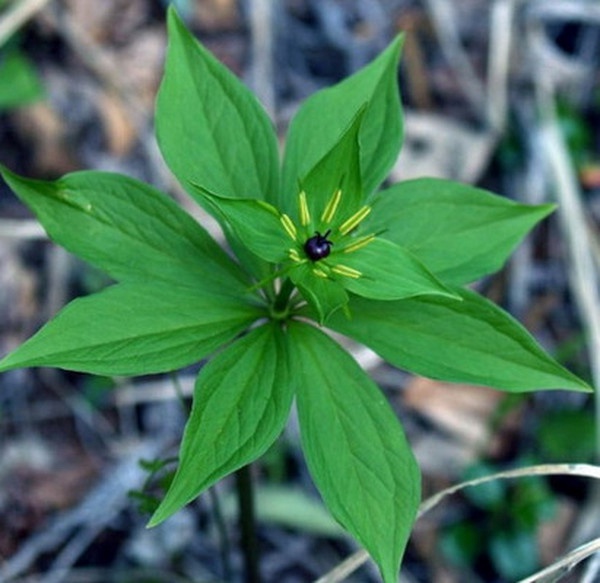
[248, 524]
[222, 530]
[281, 301]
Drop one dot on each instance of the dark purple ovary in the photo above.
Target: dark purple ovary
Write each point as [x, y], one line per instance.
[318, 246]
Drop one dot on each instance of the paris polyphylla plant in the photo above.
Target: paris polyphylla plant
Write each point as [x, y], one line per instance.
[314, 246]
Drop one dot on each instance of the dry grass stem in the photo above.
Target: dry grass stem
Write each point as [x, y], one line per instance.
[354, 561]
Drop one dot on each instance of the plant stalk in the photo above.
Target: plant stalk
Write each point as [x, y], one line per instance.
[281, 302]
[249, 540]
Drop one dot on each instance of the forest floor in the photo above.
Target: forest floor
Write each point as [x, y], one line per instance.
[481, 81]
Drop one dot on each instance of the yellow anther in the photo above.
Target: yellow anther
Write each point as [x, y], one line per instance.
[319, 273]
[346, 271]
[294, 255]
[304, 212]
[354, 220]
[359, 243]
[332, 206]
[289, 226]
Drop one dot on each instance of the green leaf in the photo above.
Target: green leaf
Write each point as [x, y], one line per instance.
[459, 232]
[241, 403]
[211, 129]
[339, 168]
[323, 118]
[514, 554]
[325, 296]
[19, 81]
[135, 328]
[128, 229]
[472, 341]
[390, 273]
[355, 447]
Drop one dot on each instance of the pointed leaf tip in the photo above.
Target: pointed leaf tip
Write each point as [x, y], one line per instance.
[355, 448]
[241, 402]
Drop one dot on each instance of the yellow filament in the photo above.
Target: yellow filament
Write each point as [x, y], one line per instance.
[354, 220]
[332, 206]
[346, 271]
[294, 255]
[304, 212]
[359, 243]
[289, 226]
[320, 273]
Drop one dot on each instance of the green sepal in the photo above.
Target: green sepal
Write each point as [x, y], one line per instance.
[256, 224]
[241, 402]
[470, 341]
[355, 448]
[389, 273]
[324, 116]
[339, 168]
[128, 229]
[133, 328]
[324, 296]
[211, 129]
[460, 232]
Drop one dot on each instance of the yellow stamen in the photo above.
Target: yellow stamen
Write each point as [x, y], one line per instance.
[319, 273]
[354, 220]
[346, 271]
[289, 226]
[304, 212]
[332, 206]
[294, 255]
[359, 243]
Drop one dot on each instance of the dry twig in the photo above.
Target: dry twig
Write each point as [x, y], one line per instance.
[357, 559]
[17, 15]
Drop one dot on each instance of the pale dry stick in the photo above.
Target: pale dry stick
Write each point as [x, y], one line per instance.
[555, 571]
[583, 273]
[566, 10]
[17, 15]
[501, 40]
[444, 17]
[261, 25]
[569, 71]
[354, 561]
[21, 229]
[592, 569]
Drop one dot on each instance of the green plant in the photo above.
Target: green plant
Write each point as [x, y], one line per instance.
[19, 81]
[315, 246]
[507, 535]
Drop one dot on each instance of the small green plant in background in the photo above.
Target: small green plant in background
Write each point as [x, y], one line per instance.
[315, 246]
[508, 538]
[19, 81]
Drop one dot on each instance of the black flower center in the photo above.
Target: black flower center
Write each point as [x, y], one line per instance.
[318, 246]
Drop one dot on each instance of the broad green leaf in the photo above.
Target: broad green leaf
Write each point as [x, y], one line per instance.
[325, 296]
[459, 232]
[323, 118]
[128, 229]
[211, 129]
[472, 341]
[390, 273]
[339, 169]
[355, 448]
[241, 403]
[133, 329]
